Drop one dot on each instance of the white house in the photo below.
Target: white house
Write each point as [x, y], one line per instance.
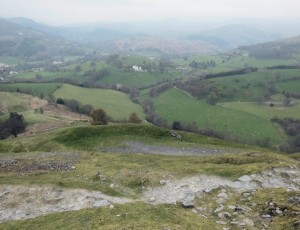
[12, 73]
[137, 68]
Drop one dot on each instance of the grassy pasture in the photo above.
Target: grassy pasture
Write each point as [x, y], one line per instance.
[35, 89]
[264, 111]
[14, 102]
[175, 105]
[115, 103]
[131, 78]
[10, 60]
[249, 87]
[241, 62]
[46, 75]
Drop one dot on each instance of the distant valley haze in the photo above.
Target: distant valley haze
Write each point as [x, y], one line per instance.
[205, 25]
[62, 12]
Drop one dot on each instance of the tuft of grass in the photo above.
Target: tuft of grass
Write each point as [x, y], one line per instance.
[128, 216]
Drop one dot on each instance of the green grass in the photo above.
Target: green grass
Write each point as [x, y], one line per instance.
[241, 62]
[249, 87]
[35, 89]
[130, 171]
[137, 60]
[132, 78]
[14, 102]
[115, 103]
[94, 138]
[32, 118]
[10, 60]
[46, 75]
[128, 216]
[175, 105]
[264, 111]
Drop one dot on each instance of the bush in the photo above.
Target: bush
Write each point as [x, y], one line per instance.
[133, 118]
[99, 117]
[60, 101]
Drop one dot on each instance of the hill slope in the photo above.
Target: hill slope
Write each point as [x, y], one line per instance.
[233, 36]
[22, 41]
[116, 104]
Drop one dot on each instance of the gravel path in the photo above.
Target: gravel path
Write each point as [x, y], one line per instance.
[138, 147]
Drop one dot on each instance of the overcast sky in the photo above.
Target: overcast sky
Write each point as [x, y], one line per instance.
[59, 12]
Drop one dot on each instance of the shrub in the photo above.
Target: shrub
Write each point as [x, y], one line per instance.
[133, 118]
[99, 117]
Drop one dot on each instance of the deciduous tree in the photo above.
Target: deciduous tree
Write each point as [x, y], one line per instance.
[99, 117]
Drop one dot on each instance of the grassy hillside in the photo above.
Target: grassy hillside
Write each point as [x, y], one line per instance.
[131, 171]
[175, 105]
[116, 104]
[35, 89]
[265, 111]
[14, 102]
[83, 147]
[251, 86]
[136, 78]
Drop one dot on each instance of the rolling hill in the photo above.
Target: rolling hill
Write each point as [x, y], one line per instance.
[285, 48]
[26, 42]
[116, 104]
[233, 36]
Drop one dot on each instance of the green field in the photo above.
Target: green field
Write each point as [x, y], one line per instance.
[10, 60]
[264, 111]
[35, 89]
[175, 105]
[241, 62]
[136, 78]
[46, 75]
[249, 87]
[115, 103]
[14, 102]
[33, 118]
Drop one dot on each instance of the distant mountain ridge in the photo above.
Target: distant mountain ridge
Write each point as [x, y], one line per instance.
[27, 42]
[232, 36]
[284, 48]
[114, 37]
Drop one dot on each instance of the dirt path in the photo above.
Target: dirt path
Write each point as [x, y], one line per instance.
[179, 190]
[23, 202]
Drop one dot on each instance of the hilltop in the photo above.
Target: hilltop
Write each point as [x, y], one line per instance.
[190, 138]
[64, 163]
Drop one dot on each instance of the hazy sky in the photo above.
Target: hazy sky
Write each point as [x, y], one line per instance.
[73, 11]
